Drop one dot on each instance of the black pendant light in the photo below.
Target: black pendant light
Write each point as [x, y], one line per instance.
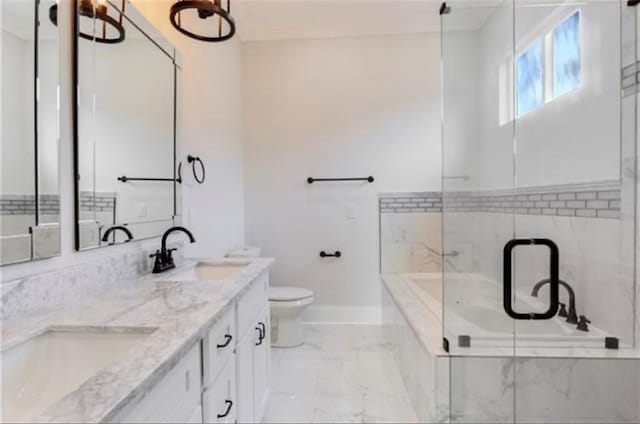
[206, 9]
[100, 12]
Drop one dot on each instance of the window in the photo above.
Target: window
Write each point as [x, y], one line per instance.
[550, 67]
[566, 56]
[529, 79]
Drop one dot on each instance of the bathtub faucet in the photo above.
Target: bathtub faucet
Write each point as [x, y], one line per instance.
[572, 315]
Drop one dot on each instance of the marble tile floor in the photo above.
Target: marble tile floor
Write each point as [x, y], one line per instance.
[343, 373]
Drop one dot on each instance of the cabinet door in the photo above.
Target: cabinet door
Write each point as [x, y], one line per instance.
[174, 398]
[244, 373]
[220, 399]
[219, 345]
[196, 417]
[261, 361]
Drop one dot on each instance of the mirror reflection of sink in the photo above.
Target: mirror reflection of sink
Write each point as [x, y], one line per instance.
[42, 370]
[211, 271]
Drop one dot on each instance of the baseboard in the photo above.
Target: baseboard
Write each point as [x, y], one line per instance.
[371, 315]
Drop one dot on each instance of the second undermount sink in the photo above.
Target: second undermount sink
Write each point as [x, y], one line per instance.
[42, 370]
[211, 271]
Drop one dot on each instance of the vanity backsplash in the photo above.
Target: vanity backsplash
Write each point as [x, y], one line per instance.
[48, 291]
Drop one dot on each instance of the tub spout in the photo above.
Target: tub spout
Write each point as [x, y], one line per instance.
[572, 314]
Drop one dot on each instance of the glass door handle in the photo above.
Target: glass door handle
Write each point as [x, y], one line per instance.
[554, 272]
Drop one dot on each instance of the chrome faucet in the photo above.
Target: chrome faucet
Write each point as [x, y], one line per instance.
[571, 315]
[164, 258]
[105, 237]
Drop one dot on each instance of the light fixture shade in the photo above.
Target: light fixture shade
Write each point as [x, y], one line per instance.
[206, 9]
[100, 12]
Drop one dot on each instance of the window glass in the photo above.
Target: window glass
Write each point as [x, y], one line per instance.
[529, 86]
[566, 56]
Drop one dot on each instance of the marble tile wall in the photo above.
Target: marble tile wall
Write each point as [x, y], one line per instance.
[544, 390]
[410, 242]
[596, 259]
[424, 373]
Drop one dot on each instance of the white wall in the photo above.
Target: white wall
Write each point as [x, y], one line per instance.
[574, 138]
[336, 108]
[210, 128]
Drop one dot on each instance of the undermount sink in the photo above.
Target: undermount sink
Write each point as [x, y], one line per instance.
[42, 370]
[211, 272]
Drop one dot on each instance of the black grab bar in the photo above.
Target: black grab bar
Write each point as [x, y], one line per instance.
[124, 179]
[312, 180]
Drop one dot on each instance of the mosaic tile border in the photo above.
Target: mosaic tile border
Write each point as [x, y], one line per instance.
[411, 202]
[50, 203]
[17, 205]
[589, 200]
[98, 202]
[25, 204]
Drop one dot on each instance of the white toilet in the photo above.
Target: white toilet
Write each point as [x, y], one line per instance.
[287, 304]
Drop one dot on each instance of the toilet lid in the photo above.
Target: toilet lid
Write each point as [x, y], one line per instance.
[283, 294]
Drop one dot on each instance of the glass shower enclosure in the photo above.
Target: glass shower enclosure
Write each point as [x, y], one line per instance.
[540, 136]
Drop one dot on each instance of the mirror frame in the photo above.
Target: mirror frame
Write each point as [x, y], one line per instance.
[175, 58]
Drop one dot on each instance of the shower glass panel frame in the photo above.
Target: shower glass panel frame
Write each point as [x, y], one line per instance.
[539, 204]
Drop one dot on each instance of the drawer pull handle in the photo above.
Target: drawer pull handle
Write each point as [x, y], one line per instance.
[227, 340]
[260, 336]
[264, 329]
[229, 406]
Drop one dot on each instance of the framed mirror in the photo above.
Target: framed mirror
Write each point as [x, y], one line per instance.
[125, 126]
[29, 182]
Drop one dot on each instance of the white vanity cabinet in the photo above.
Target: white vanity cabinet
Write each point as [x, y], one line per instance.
[253, 352]
[225, 377]
[174, 399]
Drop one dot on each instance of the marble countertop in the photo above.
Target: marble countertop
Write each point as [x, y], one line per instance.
[179, 312]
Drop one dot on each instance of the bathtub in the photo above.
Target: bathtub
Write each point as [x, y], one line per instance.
[547, 369]
[472, 307]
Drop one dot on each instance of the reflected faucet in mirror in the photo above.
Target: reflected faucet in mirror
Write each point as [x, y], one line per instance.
[105, 237]
[571, 315]
[164, 258]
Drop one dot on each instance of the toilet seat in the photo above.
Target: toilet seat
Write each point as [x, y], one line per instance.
[289, 294]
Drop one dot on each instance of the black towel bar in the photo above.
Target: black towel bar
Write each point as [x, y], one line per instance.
[124, 179]
[312, 180]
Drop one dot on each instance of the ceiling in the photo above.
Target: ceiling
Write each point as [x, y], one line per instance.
[296, 19]
[292, 19]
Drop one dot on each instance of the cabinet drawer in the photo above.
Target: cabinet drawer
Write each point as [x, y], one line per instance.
[219, 400]
[220, 344]
[174, 398]
[253, 301]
